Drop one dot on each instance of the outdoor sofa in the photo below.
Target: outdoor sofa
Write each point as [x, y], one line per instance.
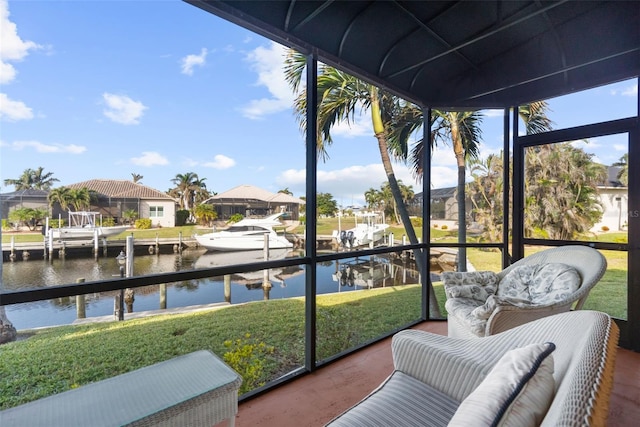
[554, 371]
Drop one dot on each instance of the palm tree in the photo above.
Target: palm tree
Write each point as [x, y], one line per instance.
[33, 180]
[200, 192]
[43, 181]
[62, 196]
[372, 197]
[80, 198]
[185, 185]
[340, 96]
[136, 178]
[485, 194]
[561, 191]
[463, 130]
[623, 175]
[286, 191]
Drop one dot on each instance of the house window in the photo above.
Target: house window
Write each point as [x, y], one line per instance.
[156, 212]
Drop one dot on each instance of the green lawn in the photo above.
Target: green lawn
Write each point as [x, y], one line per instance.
[166, 232]
[57, 359]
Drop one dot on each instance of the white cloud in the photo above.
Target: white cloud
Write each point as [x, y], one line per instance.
[360, 126]
[620, 147]
[220, 162]
[122, 109]
[12, 111]
[268, 62]
[493, 113]
[12, 48]
[191, 61]
[627, 91]
[347, 185]
[150, 158]
[47, 148]
[587, 144]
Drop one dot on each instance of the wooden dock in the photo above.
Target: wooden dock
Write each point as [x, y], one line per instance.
[87, 248]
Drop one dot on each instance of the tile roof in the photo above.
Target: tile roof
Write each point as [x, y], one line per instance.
[121, 189]
[250, 192]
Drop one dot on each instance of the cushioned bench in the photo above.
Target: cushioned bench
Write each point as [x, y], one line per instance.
[565, 373]
[196, 389]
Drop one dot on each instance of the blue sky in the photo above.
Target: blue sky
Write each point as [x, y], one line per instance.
[104, 89]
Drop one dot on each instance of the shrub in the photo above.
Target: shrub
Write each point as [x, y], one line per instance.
[435, 225]
[604, 228]
[143, 224]
[56, 223]
[247, 357]
[108, 221]
[416, 221]
[444, 227]
[235, 218]
[181, 217]
[6, 225]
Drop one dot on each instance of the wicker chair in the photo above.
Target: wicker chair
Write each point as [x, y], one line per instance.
[434, 374]
[589, 264]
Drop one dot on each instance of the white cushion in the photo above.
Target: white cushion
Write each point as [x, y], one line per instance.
[516, 392]
[540, 283]
[477, 285]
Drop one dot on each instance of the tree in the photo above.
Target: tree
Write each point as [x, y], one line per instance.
[373, 198]
[463, 130]
[340, 96]
[185, 187]
[81, 198]
[561, 191]
[286, 191]
[136, 178]
[33, 180]
[485, 194]
[326, 205]
[130, 215]
[28, 217]
[205, 214]
[62, 196]
[200, 192]
[623, 175]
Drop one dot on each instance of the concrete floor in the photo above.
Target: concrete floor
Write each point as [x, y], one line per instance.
[315, 399]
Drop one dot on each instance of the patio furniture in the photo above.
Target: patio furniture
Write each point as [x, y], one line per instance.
[542, 284]
[438, 380]
[197, 389]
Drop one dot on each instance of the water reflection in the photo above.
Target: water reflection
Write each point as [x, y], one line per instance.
[286, 282]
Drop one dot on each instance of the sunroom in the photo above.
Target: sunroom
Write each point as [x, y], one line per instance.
[439, 57]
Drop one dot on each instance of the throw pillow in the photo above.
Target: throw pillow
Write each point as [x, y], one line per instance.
[554, 282]
[516, 392]
[477, 285]
[540, 283]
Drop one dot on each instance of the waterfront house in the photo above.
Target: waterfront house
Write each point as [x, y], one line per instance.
[114, 197]
[251, 201]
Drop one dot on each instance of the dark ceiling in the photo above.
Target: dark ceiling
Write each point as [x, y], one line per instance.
[457, 54]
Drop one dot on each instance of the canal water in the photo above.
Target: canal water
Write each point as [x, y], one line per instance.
[347, 275]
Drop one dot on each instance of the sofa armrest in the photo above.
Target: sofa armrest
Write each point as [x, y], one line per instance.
[452, 366]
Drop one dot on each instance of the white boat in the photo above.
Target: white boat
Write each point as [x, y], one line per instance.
[218, 259]
[369, 230]
[84, 226]
[245, 235]
[364, 274]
